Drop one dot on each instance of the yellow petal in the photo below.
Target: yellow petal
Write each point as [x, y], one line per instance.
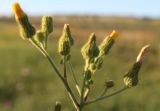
[114, 34]
[17, 10]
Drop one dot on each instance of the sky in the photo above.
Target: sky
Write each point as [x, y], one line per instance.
[138, 8]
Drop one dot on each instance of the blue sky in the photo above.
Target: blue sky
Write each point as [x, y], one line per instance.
[139, 8]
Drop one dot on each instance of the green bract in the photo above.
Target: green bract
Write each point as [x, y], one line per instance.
[26, 29]
[131, 77]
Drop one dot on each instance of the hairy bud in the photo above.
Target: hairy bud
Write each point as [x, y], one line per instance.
[107, 43]
[65, 41]
[90, 49]
[88, 75]
[109, 84]
[26, 29]
[99, 62]
[40, 38]
[47, 24]
[131, 77]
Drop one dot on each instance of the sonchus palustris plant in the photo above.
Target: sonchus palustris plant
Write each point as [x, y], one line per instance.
[93, 55]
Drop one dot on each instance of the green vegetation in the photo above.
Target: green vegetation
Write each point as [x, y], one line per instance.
[27, 82]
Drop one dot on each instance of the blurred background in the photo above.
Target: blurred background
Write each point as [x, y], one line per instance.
[27, 82]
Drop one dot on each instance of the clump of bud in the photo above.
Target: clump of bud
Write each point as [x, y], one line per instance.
[90, 50]
[107, 43]
[57, 106]
[26, 28]
[109, 84]
[65, 41]
[47, 25]
[131, 77]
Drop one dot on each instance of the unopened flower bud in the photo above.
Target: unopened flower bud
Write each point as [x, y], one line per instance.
[92, 67]
[57, 106]
[26, 29]
[131, 77]
[109, 84]
[88, 75]
[40, 38]
[65, 41]
[90, 49]
[99, 62]
[47, 24]
[107, 43]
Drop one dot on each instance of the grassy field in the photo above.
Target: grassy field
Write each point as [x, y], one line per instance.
[27, 82]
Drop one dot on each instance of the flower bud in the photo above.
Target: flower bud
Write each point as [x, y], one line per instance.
[131, 77]
[92, 67]
[90, 49]
[99, 62]
[57, 106]
[107, 43]
[109, 84]
[65, 41]
[89, 80]
[26, 29]
[47, 24]
[40, 38]
[88, 74]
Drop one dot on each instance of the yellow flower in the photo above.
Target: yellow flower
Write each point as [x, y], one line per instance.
[26, 28]
[114, 34]
[17, 10]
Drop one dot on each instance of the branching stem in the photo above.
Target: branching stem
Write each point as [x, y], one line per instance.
[70, 93]
[106, 96]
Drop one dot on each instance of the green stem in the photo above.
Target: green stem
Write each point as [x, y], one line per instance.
[104, 92]
[82, 91]
[73, 74]
[106, 96]
[74, 77]
[83, 84]
[64, 63]
[70, 93]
